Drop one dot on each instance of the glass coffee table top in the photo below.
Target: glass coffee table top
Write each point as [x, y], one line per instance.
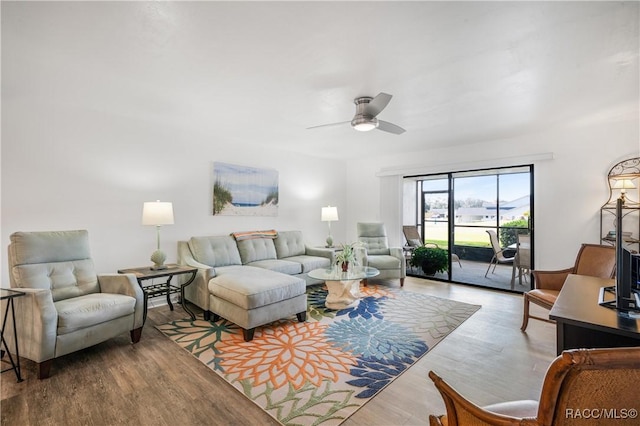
[336, 273]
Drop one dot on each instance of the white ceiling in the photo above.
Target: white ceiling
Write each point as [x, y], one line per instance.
[460, 72]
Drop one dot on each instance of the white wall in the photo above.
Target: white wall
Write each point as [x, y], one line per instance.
[64, 168]
[569, 189]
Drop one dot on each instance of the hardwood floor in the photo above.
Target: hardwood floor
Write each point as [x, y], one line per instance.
[155, 382]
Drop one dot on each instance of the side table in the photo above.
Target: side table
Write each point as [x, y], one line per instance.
[9, 295]
[146, 273]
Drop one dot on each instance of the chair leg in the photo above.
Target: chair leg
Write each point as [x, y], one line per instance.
[136, 334]
[302, 316]
[490, 263]
[44, 368]
[525, 313]
[401, 282]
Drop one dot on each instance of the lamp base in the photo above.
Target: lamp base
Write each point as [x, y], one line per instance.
[158, 257]
[158, 267]
[329, 242]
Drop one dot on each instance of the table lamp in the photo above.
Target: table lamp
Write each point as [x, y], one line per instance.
[623, 185]
[157, 213]
[329, 214]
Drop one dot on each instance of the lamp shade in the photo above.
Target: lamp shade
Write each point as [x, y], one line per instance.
[329, 214]
[623, 184]
[157, 213]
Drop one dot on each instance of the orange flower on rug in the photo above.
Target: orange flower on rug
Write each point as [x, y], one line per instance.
[291, 354]
[321, 371]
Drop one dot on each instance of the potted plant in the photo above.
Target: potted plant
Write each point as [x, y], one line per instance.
[430, 259]
[347, 255]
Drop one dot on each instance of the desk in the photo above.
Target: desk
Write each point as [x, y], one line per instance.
[582, 323]
[146, 273]
[9, 295]
[343, 287]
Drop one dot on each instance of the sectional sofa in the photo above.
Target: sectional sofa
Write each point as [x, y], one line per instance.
[252, 278]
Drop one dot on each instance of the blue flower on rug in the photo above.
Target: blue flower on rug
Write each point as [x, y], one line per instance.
[373, 375]
[377, 339]
[367, 307]
[316, 299]
[316, 296]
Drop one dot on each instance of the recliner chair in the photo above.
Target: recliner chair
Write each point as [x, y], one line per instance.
[67, 306]
[377, 253]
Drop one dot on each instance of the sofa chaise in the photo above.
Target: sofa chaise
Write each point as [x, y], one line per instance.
[252, 279]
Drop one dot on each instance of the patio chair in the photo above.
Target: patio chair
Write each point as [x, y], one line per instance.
[498, 252]
[522, 262]
[414, 240]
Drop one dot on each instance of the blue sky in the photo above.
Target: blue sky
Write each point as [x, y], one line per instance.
[512, 186]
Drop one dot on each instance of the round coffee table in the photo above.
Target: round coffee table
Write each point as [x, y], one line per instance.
[344, 287]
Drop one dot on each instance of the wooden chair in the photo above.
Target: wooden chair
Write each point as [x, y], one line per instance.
[593, 260]
[581, 387]
[498, 252]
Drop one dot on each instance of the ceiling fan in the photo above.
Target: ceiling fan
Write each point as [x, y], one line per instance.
[366, 118]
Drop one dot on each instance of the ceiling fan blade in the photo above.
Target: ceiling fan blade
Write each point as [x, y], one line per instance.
[390, 127]
[377, 104]
[329, 125]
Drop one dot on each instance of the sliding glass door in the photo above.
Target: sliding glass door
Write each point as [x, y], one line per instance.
[460, 211]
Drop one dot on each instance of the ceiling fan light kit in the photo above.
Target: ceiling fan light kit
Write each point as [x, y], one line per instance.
[367, 109]
[364, 124]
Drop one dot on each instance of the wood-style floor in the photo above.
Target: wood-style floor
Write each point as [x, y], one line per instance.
[155, 382]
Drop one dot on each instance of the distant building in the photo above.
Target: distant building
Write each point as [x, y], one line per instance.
[509, 210]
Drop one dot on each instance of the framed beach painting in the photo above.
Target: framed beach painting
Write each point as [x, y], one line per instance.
[244, 191]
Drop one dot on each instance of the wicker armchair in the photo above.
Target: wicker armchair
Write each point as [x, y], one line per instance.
[581, 387]
[593, 260]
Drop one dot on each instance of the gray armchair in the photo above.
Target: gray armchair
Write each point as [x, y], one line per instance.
[67, 306]
[389, 261]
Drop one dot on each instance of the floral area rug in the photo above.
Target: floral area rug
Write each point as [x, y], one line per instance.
[321, 371]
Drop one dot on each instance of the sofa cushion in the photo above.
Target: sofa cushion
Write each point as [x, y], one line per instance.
[250, 287]
[309, 263]
[277, 265]
[215, 251]
[289, 243]
[256, 249]
[85, 311]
